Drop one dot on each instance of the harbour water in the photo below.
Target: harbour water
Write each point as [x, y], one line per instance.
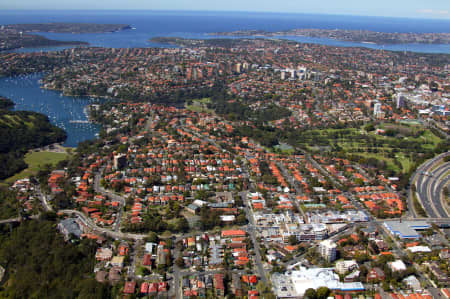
[68, 113]
[193, 24]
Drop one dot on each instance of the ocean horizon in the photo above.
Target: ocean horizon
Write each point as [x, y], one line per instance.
[200, 24]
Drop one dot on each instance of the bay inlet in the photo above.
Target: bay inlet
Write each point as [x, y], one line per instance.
[68, 113]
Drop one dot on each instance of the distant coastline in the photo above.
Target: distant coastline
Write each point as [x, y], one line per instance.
[15, 36]
[74, 28]
[199, 25]
[361, 36]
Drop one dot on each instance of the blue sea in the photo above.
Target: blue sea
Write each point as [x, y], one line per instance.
[186, 24]
[62, 110]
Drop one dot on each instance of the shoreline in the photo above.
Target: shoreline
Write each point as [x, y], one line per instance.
[75, 132]
[53, 148]
[352, 36]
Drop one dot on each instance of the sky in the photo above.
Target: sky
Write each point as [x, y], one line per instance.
[429, 9]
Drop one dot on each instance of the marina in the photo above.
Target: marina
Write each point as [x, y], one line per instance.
[68, 113]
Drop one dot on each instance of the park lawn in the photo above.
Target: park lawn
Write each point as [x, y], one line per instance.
[406, 162]
[284, 148]
[401, 157]
[380, 156]
[429, 137]
[350, 141]
[288, 151]
[428, 141]
[203, 101]
[200, 105]
[35, 160]
[16, 121]
[267, 149]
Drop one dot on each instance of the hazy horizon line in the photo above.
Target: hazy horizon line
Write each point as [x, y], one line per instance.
[220, 11]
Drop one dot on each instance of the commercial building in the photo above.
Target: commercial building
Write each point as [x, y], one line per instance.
[294, 284]
[327, 250]
[400, 100]
[415, 249]
[406, 229]
[376, 109]
[120, 161]
[344, 266]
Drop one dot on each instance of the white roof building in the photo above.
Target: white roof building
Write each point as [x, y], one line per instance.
[344, 266]
[320, 277]
[327, 249]
[227, 218]
[413, 283]
[199, 203]
[149, 247]
[397, 265]
[415, 249]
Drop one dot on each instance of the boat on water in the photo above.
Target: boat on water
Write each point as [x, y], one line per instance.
[78, 121]
[69, 113]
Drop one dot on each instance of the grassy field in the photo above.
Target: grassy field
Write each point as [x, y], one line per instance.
[406, 162]
[14, 120]
[200, 105]
[284, 148]
[381, 156]
[35, 160]
[394, 147]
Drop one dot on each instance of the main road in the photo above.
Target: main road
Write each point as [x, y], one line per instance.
[430, 179]
[110, 233]
[293, 183]
[251, 231]
[11, 220]
[98, 188]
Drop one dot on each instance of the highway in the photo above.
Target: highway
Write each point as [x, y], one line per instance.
[425, 183]
[414, 178]
[430, 179]
[436, 187]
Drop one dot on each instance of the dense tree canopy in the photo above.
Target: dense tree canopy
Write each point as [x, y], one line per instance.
[40, 264]
[21, 131]
[6, 103]
[8, 204]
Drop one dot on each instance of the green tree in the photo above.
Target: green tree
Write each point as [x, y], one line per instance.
[292, 240]
[322, 293]
[310, 294]
[179, 262]
[152, 237]
[40, 264]
[182, 225]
